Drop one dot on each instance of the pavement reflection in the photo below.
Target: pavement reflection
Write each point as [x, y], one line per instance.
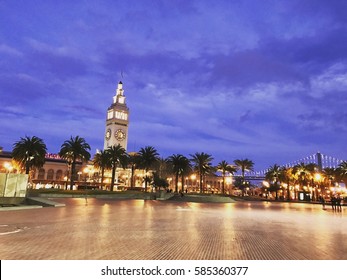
[148, 229]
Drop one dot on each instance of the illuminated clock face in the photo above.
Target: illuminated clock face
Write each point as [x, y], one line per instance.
[108, 134]
[120, 135]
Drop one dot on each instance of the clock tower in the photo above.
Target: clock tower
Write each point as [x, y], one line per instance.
[117, 121]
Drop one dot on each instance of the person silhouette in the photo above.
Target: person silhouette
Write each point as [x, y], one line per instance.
[338, 204]
[333, 203]
[323, 202]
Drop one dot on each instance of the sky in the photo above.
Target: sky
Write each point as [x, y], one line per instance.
[263, 80]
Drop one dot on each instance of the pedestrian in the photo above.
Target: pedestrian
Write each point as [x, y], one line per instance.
[333, 203]
[323, 202]
[338, 204]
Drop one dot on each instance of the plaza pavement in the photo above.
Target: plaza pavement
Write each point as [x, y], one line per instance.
[108, 229]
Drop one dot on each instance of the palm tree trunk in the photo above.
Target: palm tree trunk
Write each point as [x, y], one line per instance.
[132, 176]
[176, 183]
[113, 177]
[146, 170]
[102, 176]
[73, 164]
[243, 181]
[200, 182]
[182, 179]
[27, 167]
[223, 183]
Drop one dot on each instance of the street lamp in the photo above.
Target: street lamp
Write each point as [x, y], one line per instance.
[8, 166]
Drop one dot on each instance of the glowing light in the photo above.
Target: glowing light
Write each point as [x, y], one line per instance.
[8, 166]
[266, 184]
[317, 176]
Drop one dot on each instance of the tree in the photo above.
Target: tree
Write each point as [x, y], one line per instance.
[329, 177]
[286, 175]
[224, 167]
[244, 165]
[175, 163]
[186, 168]
[101, 161]
[73, 150]
[304, 173]
[148, 156]
[29, 152]
[159, 182]
[342, 171]
[273, 175]
[202, 164]
[117, 157]
[133, 162]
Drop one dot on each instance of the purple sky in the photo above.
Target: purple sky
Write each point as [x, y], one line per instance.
[264, 80]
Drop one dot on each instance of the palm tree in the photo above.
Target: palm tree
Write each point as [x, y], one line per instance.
[101, 161]
[244, 165]
[273, 175]
[224, 167]
[133, 162]
[175, 161]
[180, 166]
[202, 164]
[72, 150]
[330, 176]
[29, 152]
[342, 171]
[148, 156]
[186, 168]
[304, 173]
[286, 176]
[117, 156]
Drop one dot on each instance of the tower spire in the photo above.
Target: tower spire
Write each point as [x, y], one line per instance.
[119, 97]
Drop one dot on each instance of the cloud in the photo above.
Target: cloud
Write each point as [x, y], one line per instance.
[5, 49]
[263, 80]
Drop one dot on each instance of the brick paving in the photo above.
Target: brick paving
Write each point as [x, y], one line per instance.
[106, 229]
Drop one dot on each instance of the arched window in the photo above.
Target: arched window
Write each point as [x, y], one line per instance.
[50, 174]
[41, 175]
[59, 175]
[33, 173]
